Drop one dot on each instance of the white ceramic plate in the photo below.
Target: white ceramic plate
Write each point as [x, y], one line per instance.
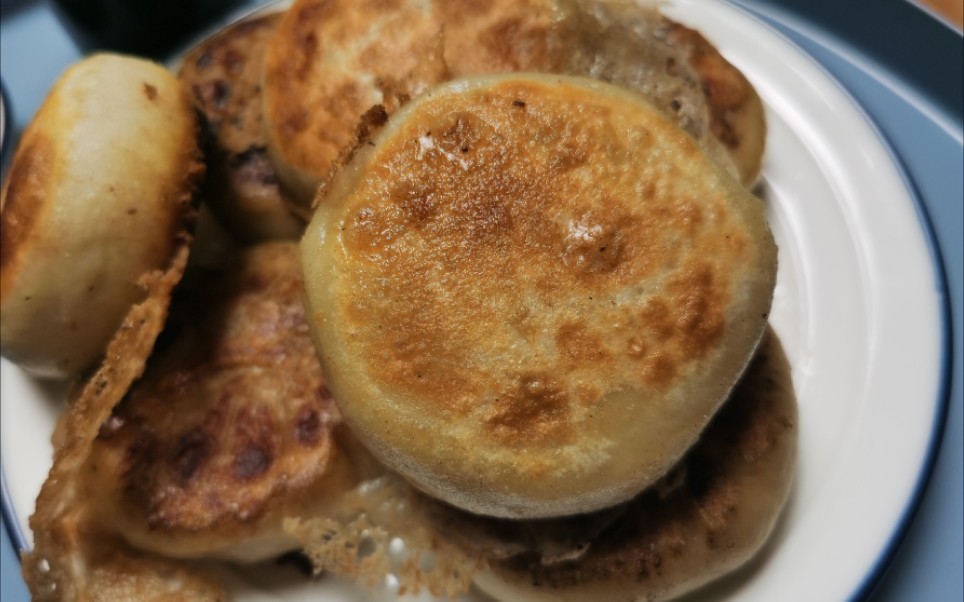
[858, 308]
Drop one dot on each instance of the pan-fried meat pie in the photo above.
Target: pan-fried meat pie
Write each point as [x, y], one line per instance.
[530, 293]
[334, 59]
[224, 75]
[707, 517]
[231, 429]
[98, 196]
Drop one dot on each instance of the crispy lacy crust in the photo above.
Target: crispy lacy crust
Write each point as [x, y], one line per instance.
[383, 530]
[72, 559]
[363, 542]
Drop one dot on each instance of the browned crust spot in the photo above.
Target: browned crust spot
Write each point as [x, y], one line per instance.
[536, 407]
[233, 413]
[23, 203]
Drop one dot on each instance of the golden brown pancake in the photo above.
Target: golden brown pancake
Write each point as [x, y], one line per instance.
[333, 60]
[530, 293]
[231, 429]
[224, 75]
[706, 518]
[99, 194]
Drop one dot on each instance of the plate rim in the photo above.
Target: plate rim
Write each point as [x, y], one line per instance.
[939, 270]
[941, 404]
[946, 346]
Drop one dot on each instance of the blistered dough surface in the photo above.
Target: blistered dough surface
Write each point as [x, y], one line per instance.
[532, 292]
[232, 427]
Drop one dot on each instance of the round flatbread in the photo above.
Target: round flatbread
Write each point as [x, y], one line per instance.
[530, 293]
[232, 428]
[333, 60]
[223, 73]
[99, 195]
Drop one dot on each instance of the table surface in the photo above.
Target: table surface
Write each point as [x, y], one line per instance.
[903, 64]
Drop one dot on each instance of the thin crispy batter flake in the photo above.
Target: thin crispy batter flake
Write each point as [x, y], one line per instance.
[72, 559]
[384, 533]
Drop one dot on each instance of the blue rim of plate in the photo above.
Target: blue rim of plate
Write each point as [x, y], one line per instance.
[913, 502]
[19, 540]
[6, 122]
[945, 376]
[10, 523]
